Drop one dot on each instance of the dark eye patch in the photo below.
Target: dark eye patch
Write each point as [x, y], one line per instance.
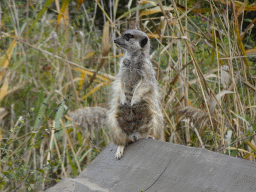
[128, 36]
[143, 42]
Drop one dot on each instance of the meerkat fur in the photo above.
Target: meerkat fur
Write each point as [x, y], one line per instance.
[135, 106]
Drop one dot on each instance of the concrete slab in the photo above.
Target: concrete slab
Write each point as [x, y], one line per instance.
[152, 165]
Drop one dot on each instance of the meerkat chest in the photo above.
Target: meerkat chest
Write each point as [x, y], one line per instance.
[132, 72]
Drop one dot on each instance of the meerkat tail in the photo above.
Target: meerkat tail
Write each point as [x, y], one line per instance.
[119, 152]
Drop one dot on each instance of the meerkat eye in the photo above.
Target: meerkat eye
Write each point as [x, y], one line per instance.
[128, 36]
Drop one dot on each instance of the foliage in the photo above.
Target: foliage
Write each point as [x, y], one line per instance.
[57, 56]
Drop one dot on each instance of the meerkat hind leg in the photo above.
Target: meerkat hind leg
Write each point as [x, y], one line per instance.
[120, 151]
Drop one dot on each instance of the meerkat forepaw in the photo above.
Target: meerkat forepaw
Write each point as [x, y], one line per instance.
[133, 101]
[135, 137]
[123, 100]
[119, 152]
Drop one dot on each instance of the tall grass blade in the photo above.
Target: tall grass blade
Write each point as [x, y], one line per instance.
[39, 15]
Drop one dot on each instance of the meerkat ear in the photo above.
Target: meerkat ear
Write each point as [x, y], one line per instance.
[143, 42]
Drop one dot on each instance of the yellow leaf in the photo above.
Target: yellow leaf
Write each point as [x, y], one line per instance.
[81, 82]
[91, 73]
[88, 56]
[251, 145]
[63, 12]
[96, 88]
[69, 83]
[5, 59]
[31, 5]
[4, 87]
[251, 51]
[2, 24]
[66, 17]
[155, 10]
[152, 35]
[79, 3]
[145, 1]
[241, 150]
[246, 156]
[120, 55]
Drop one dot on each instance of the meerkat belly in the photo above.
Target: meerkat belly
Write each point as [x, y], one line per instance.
[132, 118]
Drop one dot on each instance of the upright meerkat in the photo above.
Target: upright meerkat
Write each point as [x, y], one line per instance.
[135, 109]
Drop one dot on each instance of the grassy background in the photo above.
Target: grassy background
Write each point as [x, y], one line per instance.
[58, 56]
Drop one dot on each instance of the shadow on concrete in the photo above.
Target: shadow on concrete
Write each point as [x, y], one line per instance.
[156, 166]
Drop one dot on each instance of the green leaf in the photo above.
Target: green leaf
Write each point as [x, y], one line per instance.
[38, 102]
[85, 154]
[51, 108]
[80, 138]
[116, 5]
[72, 165]
[41, 112]
[2, 183]
[246, 156]
[70, 130]
[232, 153]
[53, 163]
[40, 14]
[10, 141]
[248, 20]
[59, 115]
[247, 122]
[6, 172]
[144, 6]
[229, 135]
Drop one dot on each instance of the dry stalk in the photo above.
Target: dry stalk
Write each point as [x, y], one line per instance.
[58, 153]
[71, 145]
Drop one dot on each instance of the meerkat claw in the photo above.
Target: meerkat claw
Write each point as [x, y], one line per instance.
[150, 137]
[133, 102]
[119, 152]
[123, 101]
[135, 137]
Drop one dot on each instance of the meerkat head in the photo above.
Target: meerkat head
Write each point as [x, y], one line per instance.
[134, 41]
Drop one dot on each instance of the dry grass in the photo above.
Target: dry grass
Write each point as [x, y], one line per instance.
[204, 55]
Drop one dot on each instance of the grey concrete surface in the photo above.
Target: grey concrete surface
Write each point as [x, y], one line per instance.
[156, 166]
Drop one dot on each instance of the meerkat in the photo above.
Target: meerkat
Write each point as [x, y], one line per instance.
[135, 106]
